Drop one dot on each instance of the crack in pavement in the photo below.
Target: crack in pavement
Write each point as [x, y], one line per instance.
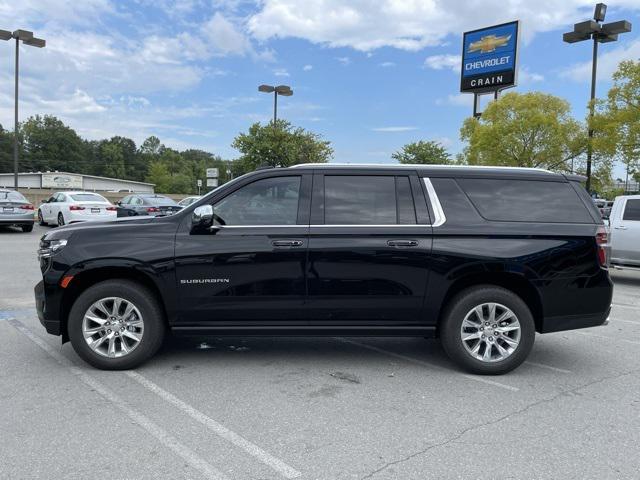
[493, 422]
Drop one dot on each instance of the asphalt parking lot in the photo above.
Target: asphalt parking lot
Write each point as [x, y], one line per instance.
[273, 408]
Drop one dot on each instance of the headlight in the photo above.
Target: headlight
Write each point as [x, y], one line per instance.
[48, 248]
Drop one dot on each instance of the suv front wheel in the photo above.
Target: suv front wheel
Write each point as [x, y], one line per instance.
[116, 325]
[487, 330]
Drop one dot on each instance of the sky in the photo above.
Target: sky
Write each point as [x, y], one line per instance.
[368, 75]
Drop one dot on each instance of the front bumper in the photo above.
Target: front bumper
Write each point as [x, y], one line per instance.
[47, 315]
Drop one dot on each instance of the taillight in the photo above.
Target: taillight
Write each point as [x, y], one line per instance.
[152, 210]
[602, 238]
[26, 207]
[111, 209]
[75, 207]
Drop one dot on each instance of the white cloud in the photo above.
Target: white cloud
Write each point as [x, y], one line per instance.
[394, 129]
[344, 60]
[281, 72]
[457, 100]
[525, 76]
[224, 37]
[607, 63]
[441, 62]
[408, 24]
[307, 68]
[387, 64]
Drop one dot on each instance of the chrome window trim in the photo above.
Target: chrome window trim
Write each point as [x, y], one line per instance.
[438, 213]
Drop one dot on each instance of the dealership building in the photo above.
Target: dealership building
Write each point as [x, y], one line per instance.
[74, 181]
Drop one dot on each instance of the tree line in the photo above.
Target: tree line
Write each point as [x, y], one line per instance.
[533, 129]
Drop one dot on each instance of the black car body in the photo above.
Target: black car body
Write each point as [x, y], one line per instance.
[350, 250]
[147, 204]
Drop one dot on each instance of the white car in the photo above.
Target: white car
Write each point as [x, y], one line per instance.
[624, 224]
[70, 207]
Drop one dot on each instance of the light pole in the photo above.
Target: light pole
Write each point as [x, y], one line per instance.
[599, 33]
[27, 38]
[284, 90]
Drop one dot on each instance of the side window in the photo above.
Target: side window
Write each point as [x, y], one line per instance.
[367, 200]
[136, 201]
[61, 198]
[270, 201]
[632, 210]
[125, 200]
[507, 200]
[52, 199]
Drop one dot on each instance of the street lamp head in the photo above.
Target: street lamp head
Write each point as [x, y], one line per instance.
[23, 35]
[600, 12]
[574, 37]
[266, 88]
[35, 42]
[5, 35]
[587, 27]
[284, 90]
[615, 28]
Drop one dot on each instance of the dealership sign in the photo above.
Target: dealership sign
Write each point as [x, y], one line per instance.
[61, 180]
[489, 58]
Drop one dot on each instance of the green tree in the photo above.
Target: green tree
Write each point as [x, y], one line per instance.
[423, 152]
[525, 130]
[6, 150]
[51, 145]
[280, 145]
[617, 122]
[159, 174]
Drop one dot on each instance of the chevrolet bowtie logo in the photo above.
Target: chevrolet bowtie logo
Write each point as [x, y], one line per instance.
[489, 43]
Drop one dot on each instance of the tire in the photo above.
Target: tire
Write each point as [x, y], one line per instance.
[463, 306]
[60, 220]
[41, 219]
[27, 228]
[147, 307]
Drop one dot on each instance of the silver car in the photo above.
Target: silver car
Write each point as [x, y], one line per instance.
[15, 210]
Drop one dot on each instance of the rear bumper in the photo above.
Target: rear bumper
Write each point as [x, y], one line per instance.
[574, 322]
[46, 314]
[17, 219]
[86, 217]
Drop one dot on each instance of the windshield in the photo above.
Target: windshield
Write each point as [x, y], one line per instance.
[88, 197]
[15, 196]
[159, 200]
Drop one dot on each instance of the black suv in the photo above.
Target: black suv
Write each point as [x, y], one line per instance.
[468, 254]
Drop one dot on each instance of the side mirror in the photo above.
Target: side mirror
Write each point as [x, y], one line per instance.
[119, 203]
[202, 217]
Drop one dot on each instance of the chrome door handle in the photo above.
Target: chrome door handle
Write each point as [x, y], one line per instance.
[287, 243]
[402, 243]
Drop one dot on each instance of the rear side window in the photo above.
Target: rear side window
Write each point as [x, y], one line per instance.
[88, 197]
[368, 200]
[507, 200]
[632, 210]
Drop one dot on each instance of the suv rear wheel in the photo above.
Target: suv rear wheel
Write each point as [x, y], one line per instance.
[487, 330]
[116, 325]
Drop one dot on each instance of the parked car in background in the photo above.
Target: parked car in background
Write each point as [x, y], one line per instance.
[185, 202]
[147, 204]
[15, 210]
[70, 207]
[624, 224]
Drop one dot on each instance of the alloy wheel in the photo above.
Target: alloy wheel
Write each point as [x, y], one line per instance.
[490, 332]
[113, 327]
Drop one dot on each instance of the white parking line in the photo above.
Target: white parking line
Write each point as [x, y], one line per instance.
[589, 334]
[548, 367]
[427, 364]
[624, 305]
[169, 441]
[217, 428]
[615, 320]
